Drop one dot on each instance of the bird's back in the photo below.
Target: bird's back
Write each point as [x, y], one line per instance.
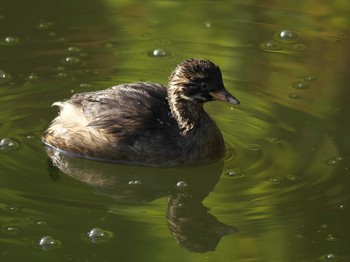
[124, 123]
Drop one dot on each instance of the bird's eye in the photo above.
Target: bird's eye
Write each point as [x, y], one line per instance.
[204, 86]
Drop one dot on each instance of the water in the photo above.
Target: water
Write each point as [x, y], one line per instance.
[283, 193]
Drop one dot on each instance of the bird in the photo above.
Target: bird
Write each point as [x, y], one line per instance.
[145, 123]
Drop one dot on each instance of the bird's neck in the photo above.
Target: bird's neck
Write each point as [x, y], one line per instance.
[200, 133]
[188, 115]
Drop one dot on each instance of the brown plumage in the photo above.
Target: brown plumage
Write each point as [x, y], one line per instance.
[145, 123]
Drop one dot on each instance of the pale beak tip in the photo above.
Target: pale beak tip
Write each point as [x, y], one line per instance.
[223, 95]
[233, 100]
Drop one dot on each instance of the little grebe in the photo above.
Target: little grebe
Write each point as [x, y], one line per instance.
[146, 123]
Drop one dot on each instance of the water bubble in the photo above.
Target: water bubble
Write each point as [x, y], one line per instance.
[300, 85]
[297, 46]
[208, 24]
[7, 144]
[182, 185]
[273, 140]
[62, 75]
[44, 25]
[40, 223]
[330, 257]
[342, 206]
[31, 77]
[135, 182]
[270, 45]
[71, 60]
[4, 77]
[333, 162]
[12, 230]
[275, 180]
[293, 178]
[293, 96]
[85, 85]
[158, 53]
[235, 173]
[29, 137]
[9, 41]
[2, 74]
[330, 237]
[340, 158]
[286, 35]
[98, 235]
[323, 226]
[253, 147]
[310, 78]
[47, 243]
[73, 50]
[96, 232]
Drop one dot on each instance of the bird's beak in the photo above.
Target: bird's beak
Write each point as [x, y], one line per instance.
[224, 95]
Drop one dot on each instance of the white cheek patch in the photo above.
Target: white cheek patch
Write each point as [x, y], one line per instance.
[199, 98]
[194, 98]
[185, 97]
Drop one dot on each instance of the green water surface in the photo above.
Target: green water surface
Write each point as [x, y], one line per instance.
[280, 194]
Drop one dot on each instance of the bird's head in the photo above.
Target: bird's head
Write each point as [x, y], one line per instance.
[199, 81]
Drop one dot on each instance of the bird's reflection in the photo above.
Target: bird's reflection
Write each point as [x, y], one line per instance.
[189, 221]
